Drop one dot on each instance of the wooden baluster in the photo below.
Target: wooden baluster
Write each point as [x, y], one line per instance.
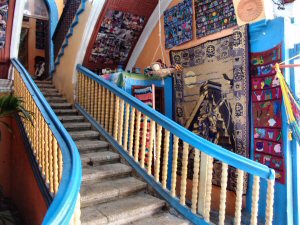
[165, 159]
[93, 98]
[137, 136]
[107, 108]
[224, 178]
[208, 188]
[85, 93]
[270, 202]
[60, 165]
[120, 136]
[99, 103]
[126, 127]
[96, 101]
[144, 141]
[158, 151]
[51, 166]
[89, 81]
[174, 166]
[185, 156]
[151, 145]
[102, 106]
[55, 165]
[255, 198]
[117, 104]
[111, 114]
[79, 85]
[239, 196]
[132, 119]
[46, 147]
[195, 180]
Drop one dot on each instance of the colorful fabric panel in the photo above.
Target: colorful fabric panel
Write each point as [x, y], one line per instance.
[213, 16]
[266, 110]
[3, 21]
[178, 23]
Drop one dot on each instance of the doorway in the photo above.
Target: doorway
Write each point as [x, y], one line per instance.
[34, 39]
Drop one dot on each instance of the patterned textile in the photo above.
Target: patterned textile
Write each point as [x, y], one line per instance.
[117, 36]
[266, 101]
[213, 16]
[179, 24]
[3, 20]
[212, 92]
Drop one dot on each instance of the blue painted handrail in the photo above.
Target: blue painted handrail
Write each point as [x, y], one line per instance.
[187, 136]
[69, 34]
[63, 205]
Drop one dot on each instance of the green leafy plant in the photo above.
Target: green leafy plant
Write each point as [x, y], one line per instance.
[10, 106]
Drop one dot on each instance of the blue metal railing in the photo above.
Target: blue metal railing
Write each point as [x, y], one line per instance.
[63, 205]
[187, 136]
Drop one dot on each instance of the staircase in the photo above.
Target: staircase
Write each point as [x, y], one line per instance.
[110, 194]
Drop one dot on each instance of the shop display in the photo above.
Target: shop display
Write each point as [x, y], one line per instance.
[266, 109]
[117, 36]
[211, 94]
[178, 24]
[3, 21]
[213, 16]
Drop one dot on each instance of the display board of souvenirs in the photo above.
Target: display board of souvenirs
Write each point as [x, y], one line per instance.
[178, 24]
[213, 16]
[266, 102]
[117, 36]
[211, 95]
[3, 20]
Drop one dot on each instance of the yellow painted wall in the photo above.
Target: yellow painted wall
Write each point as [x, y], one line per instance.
[148, 53]
[60, 6]
[63, 77]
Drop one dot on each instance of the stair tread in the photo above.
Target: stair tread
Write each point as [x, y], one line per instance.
[43, 81]
[106, 190]
[103, 171]
[60, 104]
[65, 111]
[91, 144]
[123, 210]
[161, 219]
[84, 134]
[78, 125]
[71, 118]
[99, 157]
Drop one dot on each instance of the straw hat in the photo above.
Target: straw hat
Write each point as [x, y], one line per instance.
[249, 10]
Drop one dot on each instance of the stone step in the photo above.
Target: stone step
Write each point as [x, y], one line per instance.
[67, 118]
[99, 158]
[70, 112]
[161, 219]
[77, 126]
[45, 85]
[61, 105]
[43, 81]
[85, 146]
[108, 190]
[52, 94]
[95, 174]
[49, 90]
[86, 134]
[56, 99]
[122, 211]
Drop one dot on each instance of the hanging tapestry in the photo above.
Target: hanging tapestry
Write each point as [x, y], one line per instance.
[118, 34]
[266, 109]
[212, 92]
[178, 23]
[3, 20]
[213, 16]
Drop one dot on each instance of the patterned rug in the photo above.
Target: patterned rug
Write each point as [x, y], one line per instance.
[211, 95]
[266, 101]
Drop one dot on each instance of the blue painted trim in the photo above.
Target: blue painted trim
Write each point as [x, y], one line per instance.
[53, 19]
[69, 34]
[189, 137]
[34, 165]
[62, 208]
[165, 194]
